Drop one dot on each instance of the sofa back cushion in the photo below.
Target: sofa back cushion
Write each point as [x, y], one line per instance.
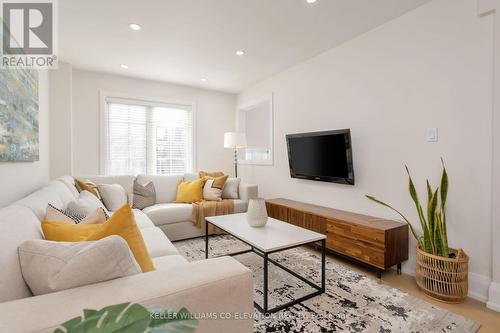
[17, 225]
[189, 177]
[38, 200]
[126, 182]
[165, 186]
[62, 191]
[69, 181]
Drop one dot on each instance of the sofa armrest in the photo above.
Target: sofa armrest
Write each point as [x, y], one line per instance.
[248, 191]
[215, 286]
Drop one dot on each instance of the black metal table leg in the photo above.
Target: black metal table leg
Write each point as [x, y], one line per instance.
[323, 265]
[206, 239]
[320, 289]
[265, 282]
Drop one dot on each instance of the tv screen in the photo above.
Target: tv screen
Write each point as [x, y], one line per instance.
[324, 156]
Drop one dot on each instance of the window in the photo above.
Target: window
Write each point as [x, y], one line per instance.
[142, 137]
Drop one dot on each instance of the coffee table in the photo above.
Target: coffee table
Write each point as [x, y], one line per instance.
[276, 236]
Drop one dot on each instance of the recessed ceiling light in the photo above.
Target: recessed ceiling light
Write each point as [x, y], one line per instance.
[134, 26]
[204, 79]
[310, 1]
[124, 66]
[240, 52]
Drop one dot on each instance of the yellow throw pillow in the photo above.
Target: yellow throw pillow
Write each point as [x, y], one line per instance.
[121, 223]
[215, 174]
[67, 232]
[189, 192]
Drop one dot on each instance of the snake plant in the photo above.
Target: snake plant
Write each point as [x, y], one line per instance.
[433, 221]
[130, 318]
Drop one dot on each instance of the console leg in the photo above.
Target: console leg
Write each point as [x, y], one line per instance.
[379, 275]
[399, 269]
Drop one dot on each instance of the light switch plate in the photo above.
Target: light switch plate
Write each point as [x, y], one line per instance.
[432, 135]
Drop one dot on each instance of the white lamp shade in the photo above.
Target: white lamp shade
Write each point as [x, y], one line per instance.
[235, 140]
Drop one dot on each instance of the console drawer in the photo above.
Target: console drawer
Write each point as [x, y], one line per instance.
[365, 252]
[356, 232]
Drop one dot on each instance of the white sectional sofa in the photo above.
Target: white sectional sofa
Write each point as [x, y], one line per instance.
[219, 285]
[173, 218]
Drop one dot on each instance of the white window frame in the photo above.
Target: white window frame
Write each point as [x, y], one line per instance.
[103, 128]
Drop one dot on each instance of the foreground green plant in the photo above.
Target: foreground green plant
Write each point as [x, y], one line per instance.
[433, 221]
[130, 318]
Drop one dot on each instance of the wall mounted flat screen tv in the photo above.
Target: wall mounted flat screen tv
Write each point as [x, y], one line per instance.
[323, 156]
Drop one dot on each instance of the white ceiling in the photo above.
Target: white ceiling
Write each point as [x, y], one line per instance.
[182, 41]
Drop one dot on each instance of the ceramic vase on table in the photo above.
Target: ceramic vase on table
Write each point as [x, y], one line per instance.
[257, 213]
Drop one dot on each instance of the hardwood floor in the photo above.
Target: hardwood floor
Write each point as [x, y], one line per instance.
[475, 310]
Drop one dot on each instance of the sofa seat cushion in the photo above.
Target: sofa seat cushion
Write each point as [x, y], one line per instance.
[168, 213]
[142, 220]
[168, 262]
[157, 243]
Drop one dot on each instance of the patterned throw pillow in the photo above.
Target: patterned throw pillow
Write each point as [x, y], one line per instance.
[144, 195]
[56, 214]
[212, 191]
[87, 185]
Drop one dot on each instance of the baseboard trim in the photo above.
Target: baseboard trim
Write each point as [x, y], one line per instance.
[494, 297]
[478, 287]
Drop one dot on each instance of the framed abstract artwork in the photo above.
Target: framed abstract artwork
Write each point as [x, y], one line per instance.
[19, 115]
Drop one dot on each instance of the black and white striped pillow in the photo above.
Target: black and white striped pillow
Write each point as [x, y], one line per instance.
[75, 217]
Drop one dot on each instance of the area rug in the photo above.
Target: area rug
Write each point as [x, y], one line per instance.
[353, 302]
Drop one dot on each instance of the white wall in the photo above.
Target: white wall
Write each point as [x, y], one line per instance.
[214, 116]
[19, 179]
[429, 68]
[490, 8]
[61, 126]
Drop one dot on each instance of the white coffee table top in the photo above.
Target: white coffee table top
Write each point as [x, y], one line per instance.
[275, 235]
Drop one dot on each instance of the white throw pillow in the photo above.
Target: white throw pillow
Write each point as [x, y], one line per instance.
[49, 266]
[230, 190]
[86, 204]
[114, 196]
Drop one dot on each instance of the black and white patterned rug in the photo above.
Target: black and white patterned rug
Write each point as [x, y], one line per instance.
[353, 302]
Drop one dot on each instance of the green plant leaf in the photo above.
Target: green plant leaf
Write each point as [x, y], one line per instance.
[429, 191]
[423, 222]
[119, 318]
[87, 313]
[167, 320]
[414, 233]
[444, 186]
[432, 210]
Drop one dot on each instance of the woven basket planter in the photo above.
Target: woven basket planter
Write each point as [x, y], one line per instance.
[445, 279]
